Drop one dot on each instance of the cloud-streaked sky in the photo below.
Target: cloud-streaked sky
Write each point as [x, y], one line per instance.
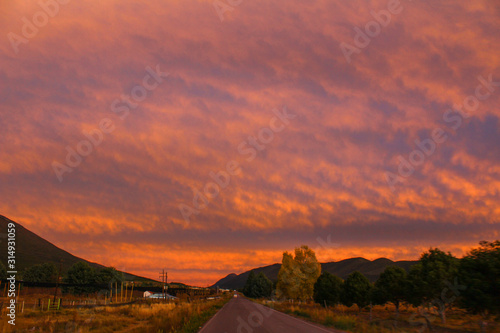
[323, 176]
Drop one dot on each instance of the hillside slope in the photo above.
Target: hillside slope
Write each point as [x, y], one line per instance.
[371, 269]
[32, 249]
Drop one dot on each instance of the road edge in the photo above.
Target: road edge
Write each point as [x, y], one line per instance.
[215, 315]
[310, 323]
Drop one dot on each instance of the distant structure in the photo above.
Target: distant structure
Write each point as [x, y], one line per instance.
[148, 294]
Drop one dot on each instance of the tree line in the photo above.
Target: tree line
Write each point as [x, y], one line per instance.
[83, 278]
[439, 281]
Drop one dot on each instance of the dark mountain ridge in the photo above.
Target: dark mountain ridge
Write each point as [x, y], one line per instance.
[32, 249]
[370, 268]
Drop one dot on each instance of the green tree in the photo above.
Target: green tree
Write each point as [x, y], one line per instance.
[265, 285]
[430, 279]
[328, 289]
[46, 272]
[258, 285]
[357, 290]
[298, 274]
[391, 286]
[108, 275]
[83, 278]
[414, 294]
[479, 272]
[105, 278]
[247, 289]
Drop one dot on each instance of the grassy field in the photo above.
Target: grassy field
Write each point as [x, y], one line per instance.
[383, 319]
[181, 317]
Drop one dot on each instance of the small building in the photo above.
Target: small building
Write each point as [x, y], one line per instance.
[160, 296]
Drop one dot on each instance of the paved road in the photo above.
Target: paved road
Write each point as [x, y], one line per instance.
[240, 315]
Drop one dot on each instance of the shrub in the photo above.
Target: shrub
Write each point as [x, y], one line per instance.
[328, 321]
[301, 313]
[344, 322]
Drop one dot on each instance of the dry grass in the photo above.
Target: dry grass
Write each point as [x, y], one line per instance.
[383, 319]
[145, 317]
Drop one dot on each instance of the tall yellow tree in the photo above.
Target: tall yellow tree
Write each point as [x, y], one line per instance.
[298, 274]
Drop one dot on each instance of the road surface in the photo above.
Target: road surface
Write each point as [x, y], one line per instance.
[240, 315]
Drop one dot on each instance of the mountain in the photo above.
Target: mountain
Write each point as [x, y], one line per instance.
[32, 249]
[371, 269]
[226, 280]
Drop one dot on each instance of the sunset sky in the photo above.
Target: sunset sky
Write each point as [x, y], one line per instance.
[350, 113]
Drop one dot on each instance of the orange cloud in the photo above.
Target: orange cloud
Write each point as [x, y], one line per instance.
[324, 171]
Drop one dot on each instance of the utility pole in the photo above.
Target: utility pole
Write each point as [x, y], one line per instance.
[164, 277]
[57, 282]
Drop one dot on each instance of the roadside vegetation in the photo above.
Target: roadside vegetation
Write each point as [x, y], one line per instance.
[90, 299]
[383, 318]
[441, 293]
[175, 317]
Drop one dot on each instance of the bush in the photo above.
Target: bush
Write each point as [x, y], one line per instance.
[46, 272]
[344, 322]
[258, 286]
[328, 321]
[301, 313]
[328, 289]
